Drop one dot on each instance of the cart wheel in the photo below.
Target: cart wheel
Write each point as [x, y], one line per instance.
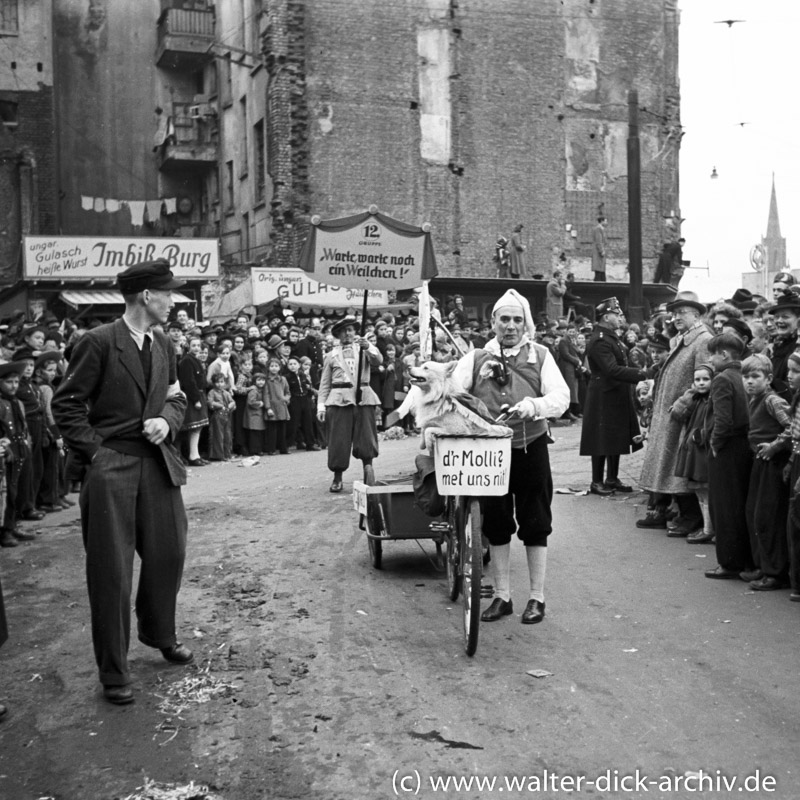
[453, 560]
[471, 567]
[376, 523]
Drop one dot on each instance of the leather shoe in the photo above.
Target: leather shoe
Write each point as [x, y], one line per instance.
[652, 519]
[601, 489]
[699, 537]
[33, 516]
[336, 487]
[178, 654]
[720, 573]
[118, 695]
[618, 486]
[196, 462]
[65, 501]
[7, 539]
[499, 608]
[533, 613]
[23, 536]
[48, 509]
[766, 584]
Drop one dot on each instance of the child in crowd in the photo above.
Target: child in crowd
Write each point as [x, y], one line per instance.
[301, 407]
[241, 390]
[14, 443]
[254, 422]
[729, 459]
[691, 408]
[221, 405]
[276, 399]
[768, 495]
[311, 371]
[793, 470]
[392, 382]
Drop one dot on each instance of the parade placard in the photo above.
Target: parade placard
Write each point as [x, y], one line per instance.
[367, 251]
[68, 258]
[476, 465]
[299, 287]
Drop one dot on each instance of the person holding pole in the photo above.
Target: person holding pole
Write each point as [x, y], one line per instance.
[346, 403]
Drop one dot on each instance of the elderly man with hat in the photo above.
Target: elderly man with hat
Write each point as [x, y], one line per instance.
[119, 407]
[516, 376]
[347, 408]
[610, 426]
[689, 351]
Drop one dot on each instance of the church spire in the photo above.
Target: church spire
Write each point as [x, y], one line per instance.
[773, 223]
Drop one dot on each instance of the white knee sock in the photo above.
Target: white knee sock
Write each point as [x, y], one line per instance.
[501, 566]
[537, 566]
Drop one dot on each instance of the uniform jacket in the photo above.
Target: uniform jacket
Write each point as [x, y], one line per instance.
[674, 378]
[609, 416]
[333, 385]
[103, 393]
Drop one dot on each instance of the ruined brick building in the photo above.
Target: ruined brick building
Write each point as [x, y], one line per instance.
[237, 120]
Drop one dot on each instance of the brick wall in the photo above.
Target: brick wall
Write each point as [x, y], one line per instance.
[538, 112]
[27, 178]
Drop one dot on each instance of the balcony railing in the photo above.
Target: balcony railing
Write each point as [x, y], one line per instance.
[187, 139]
[184, 38]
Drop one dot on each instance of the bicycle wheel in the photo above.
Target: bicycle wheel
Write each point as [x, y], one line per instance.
[471, 567]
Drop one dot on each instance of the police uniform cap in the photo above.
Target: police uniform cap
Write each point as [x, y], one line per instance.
[659, 342]
[148, 275]
[608, 306]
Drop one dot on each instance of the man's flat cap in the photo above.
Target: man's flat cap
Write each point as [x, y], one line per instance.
[148, 275]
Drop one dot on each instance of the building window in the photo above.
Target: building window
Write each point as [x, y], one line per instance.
[243, 155]
[229, 186]
[258, 162]
[9, 16]
[8, 113]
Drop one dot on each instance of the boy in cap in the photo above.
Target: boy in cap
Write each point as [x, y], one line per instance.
[515, 376]
[120, 408]
[14, 450]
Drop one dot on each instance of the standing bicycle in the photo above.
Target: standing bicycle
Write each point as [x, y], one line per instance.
[516, 377]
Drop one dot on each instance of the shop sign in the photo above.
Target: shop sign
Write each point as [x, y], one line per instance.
[298, 286]
[81, 258]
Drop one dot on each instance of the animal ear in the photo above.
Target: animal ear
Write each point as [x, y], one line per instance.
[451, 367]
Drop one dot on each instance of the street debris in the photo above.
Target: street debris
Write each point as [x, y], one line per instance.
[172, 791]
[251, 461]
[193, 689]
[569, 490]
[395, 432]
[631, 650]
[359, 611]
[539, 673]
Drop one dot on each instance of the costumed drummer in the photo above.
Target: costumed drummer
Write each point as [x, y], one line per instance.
[350, 424]
[513, 375]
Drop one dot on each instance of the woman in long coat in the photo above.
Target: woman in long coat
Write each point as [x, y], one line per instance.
[689, 351]
[570, 363]
[610, 426]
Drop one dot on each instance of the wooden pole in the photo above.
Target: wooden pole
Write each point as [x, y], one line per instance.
[636, 298]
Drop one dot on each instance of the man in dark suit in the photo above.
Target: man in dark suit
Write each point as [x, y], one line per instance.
[609, 417]
[119, 409]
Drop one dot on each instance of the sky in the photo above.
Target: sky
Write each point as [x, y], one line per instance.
[744, 73]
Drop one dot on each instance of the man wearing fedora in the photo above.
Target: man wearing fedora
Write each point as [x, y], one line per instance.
[610, 426]
[785, 314]
[689, 351]
[349, 414]
[120, 408]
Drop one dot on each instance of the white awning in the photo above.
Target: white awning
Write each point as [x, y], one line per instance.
[105, 297]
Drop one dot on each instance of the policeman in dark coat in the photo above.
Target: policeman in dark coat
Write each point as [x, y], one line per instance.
[609, 417]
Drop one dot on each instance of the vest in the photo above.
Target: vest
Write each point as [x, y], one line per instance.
[525, 380]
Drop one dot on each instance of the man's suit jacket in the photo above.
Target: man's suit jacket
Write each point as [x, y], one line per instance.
[103, 394]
